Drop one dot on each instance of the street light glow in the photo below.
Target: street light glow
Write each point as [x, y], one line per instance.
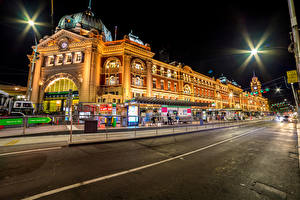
[254, 51]
[278, 90]
[31, 23]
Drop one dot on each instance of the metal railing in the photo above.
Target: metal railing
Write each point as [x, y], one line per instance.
[107, 128]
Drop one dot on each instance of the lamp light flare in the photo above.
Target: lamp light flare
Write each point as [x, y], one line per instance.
[31, 23]
[278, 90]
[254, 51]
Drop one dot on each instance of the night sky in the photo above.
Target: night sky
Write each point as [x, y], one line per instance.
[200, 34]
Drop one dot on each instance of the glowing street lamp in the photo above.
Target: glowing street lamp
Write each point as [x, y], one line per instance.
[31, 23]
[254, 52]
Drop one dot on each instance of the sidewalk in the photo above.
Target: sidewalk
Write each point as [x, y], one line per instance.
[6, 144]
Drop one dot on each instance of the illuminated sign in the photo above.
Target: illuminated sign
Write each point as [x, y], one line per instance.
[133, 110]
[105, 107]
[292, 76]
[133, 115]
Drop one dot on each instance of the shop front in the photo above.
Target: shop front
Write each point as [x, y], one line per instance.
[107, 114]
[164, 111]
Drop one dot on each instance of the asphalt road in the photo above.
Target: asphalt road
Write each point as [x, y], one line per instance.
[254, 162]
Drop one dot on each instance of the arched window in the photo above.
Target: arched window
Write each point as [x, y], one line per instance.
[187, 89]
[61, 85]
[113, 65]
[111, 70]
[137, 66]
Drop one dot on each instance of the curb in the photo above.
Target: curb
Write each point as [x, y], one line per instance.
[90, 142]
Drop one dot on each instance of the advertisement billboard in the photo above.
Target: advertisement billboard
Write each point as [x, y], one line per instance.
[133, 115]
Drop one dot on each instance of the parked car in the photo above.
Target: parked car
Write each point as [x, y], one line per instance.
[285, 118]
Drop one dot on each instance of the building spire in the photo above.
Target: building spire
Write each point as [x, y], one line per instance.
[253, 73]
[90, 5]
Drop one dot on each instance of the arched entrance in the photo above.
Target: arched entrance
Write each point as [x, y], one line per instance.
[56, 95]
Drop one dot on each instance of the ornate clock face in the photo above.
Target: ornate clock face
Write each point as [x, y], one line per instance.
[64, 45]
[255, 88]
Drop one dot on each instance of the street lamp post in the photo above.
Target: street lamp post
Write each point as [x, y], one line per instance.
[296, 41]
[29, 92]
[295, 32]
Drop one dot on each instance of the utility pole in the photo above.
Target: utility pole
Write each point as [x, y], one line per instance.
[296, 41]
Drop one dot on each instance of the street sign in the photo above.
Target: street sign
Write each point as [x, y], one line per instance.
[292, 76]
[39, 120]
[11, 121]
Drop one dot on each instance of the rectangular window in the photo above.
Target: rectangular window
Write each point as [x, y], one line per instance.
[175, 87]
[59, 59]
[169, 85]
[162, 83]
[78, 57]
[161, 71]
[154, 83]
[50, 61]
[68, 58]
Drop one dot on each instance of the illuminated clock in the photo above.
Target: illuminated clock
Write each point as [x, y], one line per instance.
[64, 45]
[255, 88]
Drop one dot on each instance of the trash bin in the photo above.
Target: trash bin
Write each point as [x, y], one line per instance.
[90, 126]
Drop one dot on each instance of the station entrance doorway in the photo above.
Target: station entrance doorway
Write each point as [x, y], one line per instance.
[56, 94]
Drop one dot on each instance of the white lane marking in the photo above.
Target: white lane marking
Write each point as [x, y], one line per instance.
[29, 151]
[76, 185]
[73, 127]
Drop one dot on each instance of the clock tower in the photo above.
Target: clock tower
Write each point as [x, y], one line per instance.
[255, 85]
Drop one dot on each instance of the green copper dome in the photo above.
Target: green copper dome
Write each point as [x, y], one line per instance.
[87, 20]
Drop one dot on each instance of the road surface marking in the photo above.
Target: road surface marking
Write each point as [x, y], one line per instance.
[73, 127]
[30, 151]
[76, 185]
[12, 142]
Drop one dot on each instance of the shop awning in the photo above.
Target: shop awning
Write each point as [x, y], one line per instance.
[152, 100]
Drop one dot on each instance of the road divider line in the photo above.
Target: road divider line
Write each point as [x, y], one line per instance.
[30, 151]
[76, 185]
